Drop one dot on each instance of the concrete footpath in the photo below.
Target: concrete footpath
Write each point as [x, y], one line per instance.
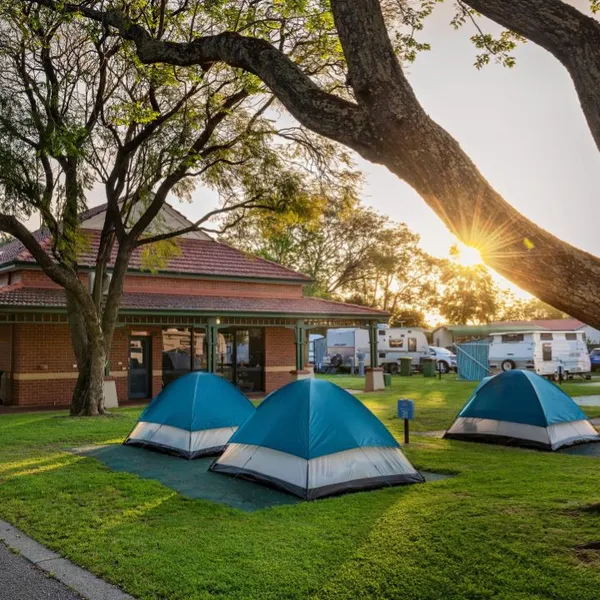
[32, 572]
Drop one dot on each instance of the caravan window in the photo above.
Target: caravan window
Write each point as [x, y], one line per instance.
[571, 337]
[412, 344]
[396, 343]
[546, 336]
[546, 352]
[511, 338]
[381, 332]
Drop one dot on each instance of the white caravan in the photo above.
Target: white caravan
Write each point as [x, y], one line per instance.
[540, 351]
[348, 343]
[392, 344]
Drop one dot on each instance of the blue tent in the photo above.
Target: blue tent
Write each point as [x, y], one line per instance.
[313, 439]
[193, 416]
[523, 409]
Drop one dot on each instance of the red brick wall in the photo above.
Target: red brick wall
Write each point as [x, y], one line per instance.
[38, 279]
[45, 375]
[210, 287]
[44, 372]
[280, 357]
[154, 284]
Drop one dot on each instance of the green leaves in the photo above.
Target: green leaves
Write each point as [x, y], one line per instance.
[499, 47]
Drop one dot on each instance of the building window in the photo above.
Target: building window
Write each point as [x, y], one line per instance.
[571, 337]
[511, 338]
[183, 351]
[547, 336]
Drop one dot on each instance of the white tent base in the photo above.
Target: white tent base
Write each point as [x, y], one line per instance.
[508, 433]
[181, 442]
[350, 470]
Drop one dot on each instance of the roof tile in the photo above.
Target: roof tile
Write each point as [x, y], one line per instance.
[48, 298]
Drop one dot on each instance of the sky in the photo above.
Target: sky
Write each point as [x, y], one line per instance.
[523, 127]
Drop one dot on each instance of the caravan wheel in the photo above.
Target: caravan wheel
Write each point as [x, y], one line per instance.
[393, 369]
[508, 365]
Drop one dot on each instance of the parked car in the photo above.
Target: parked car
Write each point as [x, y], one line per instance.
[595, 359]
[445, 359]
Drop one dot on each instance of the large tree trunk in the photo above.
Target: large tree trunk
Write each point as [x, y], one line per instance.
[388, 126]
[87, 341]
[88, 396]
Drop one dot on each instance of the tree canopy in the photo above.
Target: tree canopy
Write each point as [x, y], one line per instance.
[337, 69]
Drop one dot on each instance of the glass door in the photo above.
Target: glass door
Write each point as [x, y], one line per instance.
[240, 358]
[140, 367]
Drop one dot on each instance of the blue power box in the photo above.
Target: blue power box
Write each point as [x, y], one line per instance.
[406, 409]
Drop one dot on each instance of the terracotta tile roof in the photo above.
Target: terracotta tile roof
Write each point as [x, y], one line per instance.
[195, 257]
[23, 297]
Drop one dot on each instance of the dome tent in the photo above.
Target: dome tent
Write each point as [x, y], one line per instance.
[520, 408]
[193, 416]
[313, 439]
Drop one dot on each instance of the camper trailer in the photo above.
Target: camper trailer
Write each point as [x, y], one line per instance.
[348, 343]
[392, 344]
[544, 352]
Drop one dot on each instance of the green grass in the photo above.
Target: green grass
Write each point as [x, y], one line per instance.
[437, 402]
[505, 527]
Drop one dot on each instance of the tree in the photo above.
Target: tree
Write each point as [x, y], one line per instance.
[398, 276]
[329, 237]
[511, 308]
[75, 109]
[351, 252]
[378, 115]
[469, 294]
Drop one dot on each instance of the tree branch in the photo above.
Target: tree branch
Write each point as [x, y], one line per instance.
[569, 35]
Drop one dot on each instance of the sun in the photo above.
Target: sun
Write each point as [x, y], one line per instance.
[467, 256]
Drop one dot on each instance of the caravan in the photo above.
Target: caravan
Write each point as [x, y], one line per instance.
[392, 344]
[541, 351]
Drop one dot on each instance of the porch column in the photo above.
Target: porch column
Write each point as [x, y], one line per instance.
[373, 375]
[300, 333]
[300, 339]
[212, 338]
[374, 355]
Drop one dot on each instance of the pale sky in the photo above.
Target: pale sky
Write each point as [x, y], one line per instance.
[523, 127]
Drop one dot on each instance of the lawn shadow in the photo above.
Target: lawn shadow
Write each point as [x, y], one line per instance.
[191, 478]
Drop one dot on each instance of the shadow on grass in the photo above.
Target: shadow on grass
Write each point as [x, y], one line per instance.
[158, 544]
[190, 477]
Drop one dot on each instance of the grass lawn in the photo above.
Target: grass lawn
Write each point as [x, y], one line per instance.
[437, 402]
[507, 526]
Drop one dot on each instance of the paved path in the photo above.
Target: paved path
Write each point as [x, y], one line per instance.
[22, 580]
[587, 400]
[22, 576]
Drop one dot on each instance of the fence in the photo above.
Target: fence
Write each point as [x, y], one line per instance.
[472, 360]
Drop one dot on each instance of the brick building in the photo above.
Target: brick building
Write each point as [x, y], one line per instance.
[211, 308]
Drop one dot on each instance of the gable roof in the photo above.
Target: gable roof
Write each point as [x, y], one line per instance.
[195, 257]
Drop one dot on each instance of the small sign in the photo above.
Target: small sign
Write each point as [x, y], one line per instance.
[406, 409]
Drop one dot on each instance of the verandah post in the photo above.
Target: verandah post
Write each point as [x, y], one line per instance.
[212, 336]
